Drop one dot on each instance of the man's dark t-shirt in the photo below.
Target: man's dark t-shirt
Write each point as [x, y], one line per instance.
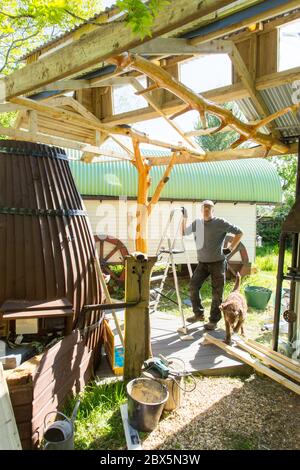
[209, 237]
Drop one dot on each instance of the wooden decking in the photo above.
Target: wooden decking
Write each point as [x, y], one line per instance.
[198, 357]
[202, 358]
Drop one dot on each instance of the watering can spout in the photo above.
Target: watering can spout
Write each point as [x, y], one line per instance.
[75, 411]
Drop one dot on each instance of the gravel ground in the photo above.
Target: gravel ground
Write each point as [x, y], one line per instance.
[231, 413]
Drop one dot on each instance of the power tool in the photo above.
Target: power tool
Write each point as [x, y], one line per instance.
[157, 364]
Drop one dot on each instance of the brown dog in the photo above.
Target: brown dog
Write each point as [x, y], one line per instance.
[234, 309]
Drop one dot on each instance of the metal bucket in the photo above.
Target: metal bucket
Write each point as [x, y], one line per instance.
[146, 400]
[60, 434]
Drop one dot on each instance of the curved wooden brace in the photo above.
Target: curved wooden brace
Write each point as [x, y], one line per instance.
[198, 102]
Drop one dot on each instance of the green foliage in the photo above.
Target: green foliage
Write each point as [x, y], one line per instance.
[140, 15]
[220, 140]
[99, 423]
[267, 258]
[7, 120]
[26, 24]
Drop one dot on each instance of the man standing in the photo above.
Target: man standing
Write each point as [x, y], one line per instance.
[209, 233]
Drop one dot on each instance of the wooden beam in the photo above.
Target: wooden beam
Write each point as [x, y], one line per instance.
[99, 45]
[67, 85]
[9, 107]
[197, 102]
[70, 117]
[238, 25]
[136, 84]
[246, 78]
[287, 361]
[249, 83]
[221, 95]
[57, 142]
[255, 363]
[284, 369]
[178, 46]
[218, 156]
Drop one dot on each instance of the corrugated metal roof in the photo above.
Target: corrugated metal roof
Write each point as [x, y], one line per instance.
[238, 4]
[276, 98]
[250, 180]
[105, 11]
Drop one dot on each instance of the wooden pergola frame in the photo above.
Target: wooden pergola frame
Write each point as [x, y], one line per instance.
[69, 122]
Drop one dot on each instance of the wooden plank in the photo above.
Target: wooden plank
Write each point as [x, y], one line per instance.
[178, 46]
[56, 141]
[39, 314]
[255, 363]
[291, 363]
[9, 436]
[269, 361]
[114, 39]
[19, 305]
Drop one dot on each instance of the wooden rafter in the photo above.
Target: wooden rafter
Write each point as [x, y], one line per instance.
[197, 102]
[70, 117]
[179, 46]
[220, 95]
[249, 83]
[56, 141]
[136, 84]
[84, 53]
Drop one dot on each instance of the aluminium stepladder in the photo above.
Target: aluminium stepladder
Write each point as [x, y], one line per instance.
[169, 264]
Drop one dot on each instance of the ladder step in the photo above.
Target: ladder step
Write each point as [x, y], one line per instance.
[157, 278]
[174, 252]
[155, 291]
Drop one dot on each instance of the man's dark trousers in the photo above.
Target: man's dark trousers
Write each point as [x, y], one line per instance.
[217, 272]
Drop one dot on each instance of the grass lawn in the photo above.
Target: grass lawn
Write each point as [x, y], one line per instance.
[222, 413]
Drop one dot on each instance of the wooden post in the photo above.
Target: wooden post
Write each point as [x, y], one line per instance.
[142, 210]
[137, 323]
[143, 168]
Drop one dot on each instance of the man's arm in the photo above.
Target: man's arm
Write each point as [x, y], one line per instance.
[238, 234]
[184, 229]
[235, 241]
[184, 219]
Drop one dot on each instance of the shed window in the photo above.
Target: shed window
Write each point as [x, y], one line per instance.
[206, 72]
[289, 46]
[124, 98]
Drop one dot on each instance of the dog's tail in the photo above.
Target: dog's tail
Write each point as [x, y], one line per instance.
[237, 284]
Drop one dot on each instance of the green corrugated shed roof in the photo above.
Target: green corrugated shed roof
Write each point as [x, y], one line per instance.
[250, 180]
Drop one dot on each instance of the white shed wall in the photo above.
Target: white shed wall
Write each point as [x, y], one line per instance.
[117, 218]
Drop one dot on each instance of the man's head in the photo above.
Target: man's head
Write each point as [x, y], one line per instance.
[207, 208]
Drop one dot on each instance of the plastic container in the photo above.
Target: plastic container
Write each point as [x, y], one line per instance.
[146, 401]
[257, 297]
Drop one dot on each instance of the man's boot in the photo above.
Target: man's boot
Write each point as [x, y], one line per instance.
[194, 318]
[210, 326]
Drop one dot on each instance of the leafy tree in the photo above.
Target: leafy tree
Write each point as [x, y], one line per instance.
[287, 169]
[25, 24]
[140, 15]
